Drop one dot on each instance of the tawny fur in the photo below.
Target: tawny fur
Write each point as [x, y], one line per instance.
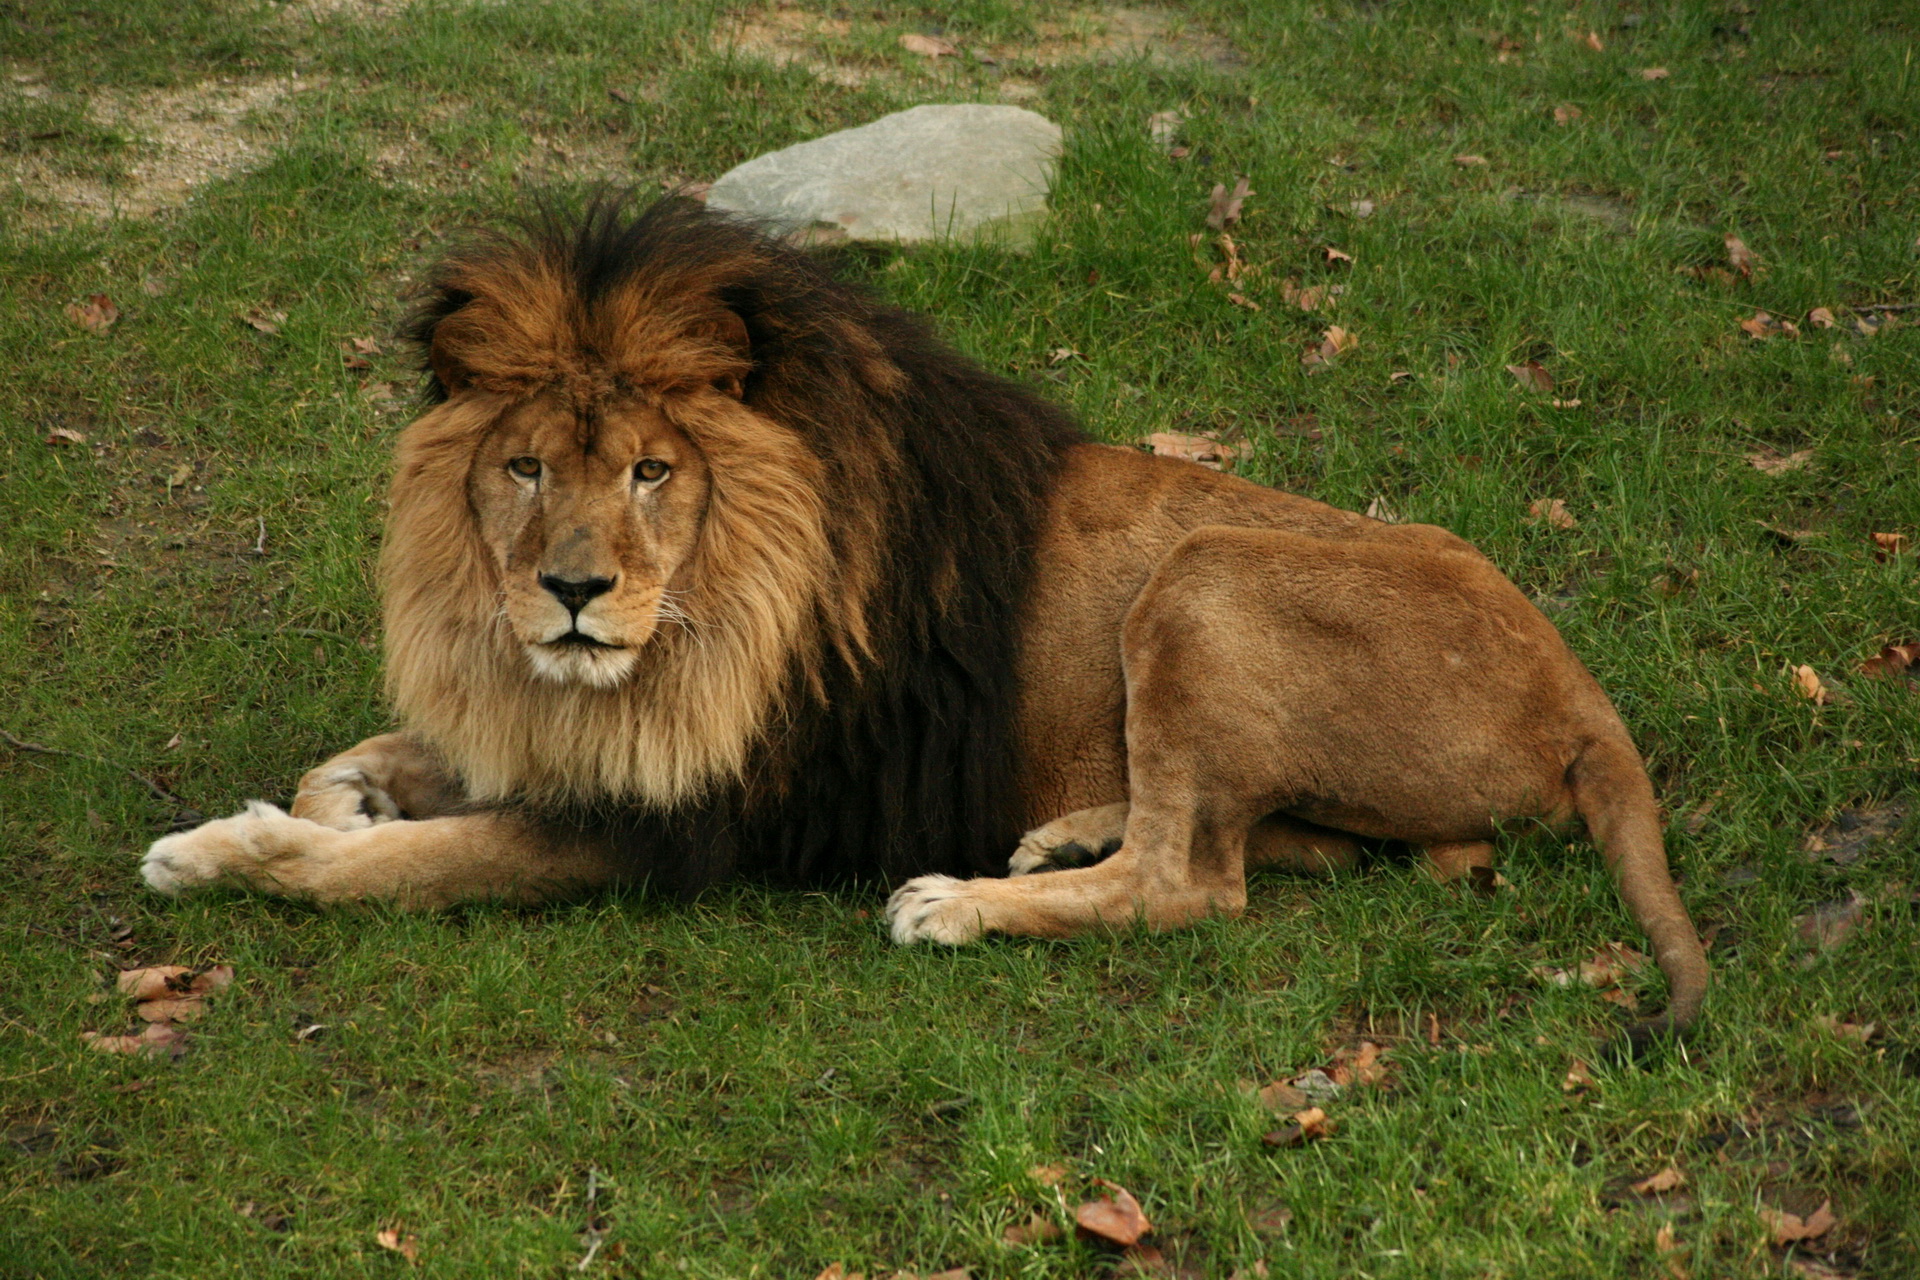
[1211, 675]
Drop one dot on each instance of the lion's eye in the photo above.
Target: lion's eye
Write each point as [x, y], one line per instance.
[650, 471]
[525, 468]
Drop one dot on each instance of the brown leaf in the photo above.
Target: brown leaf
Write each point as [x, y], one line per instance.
[1888, 544]
[1739, 257]
[1308, 1125]
[155, 982]
[1553, 511]
[1789, 1228]
[1049, 1175]
[1039, 1229]
[1365, 1064]
[65, 435]
[1240, 300]
[1204, 450]
[407, 1246]
[1336, 255]
[1566, 114]
[1893, 659]
[1531, 377]
[1566, 404]
[265, 321]
[928, 46]
[1832, 923]
[184, 1009]
[1163, 127]
[1470, 161]
[1309, 298]
[159, 1040]
[1361, 208]
[1820, 318]
[1594, 42]
[1653, 73]
[1611, 962]
[1775, 464]
[619, 95]
[1116, 1218]
[1807, 681]
[1762, 325]
[1665, 1180]
[833, 1271]
[1668, 1247]
[1861, 1031]
[1578, 1078]
[1281, 1096]
[1224, 208]
[96, 315]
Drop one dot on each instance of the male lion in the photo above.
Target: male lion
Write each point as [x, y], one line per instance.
[702, 563]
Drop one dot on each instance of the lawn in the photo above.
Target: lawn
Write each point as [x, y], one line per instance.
[1532, 207]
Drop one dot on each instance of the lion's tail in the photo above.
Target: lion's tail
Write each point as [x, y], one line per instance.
[1611, 791]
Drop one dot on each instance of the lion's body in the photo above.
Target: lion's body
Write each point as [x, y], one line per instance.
[708, 564]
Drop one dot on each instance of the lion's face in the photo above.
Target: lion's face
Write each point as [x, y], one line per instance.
[590, 523]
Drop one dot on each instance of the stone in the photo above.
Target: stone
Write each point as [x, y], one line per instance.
[966, 171]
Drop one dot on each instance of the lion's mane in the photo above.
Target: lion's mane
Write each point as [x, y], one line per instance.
[840, 700]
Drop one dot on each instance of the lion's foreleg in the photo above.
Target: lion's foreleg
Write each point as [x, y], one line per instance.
[428, 863]
[384, 779]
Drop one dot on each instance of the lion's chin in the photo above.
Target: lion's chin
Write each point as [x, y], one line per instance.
[600, 666]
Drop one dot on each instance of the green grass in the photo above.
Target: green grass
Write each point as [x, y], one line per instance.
[759, 1084]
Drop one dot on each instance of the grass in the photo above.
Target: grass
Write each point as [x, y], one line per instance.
[758, 1084]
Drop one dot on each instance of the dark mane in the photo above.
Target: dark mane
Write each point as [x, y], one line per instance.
[895, 752]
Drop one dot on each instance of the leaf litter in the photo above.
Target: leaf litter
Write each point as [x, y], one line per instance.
[96, 315]
[165, 996]
[1224, 206]
[1116, 1217]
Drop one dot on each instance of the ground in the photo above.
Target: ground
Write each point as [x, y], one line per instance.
[759, 1083]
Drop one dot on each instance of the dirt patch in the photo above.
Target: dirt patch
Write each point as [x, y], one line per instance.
[178, 140]
[1103, 37]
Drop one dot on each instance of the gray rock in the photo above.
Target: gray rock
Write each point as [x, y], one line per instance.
[963, 170]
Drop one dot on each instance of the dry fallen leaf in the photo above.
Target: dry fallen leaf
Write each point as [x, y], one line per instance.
[1224, 208]
[1307, 1126]
[1807, 681]
[1281, 1096]
[1061, 354]
[1566, 404]
[1470, 162]
[1861, 1031]
[159, 1040]
[265, 321]
[1594, 42]
[1789, 1228]
[1566, 114]
[1821, 318]
[1115, 1217]
[1380, 509]
[1049, 1175]
[928, 46]
[1531, 377]
[1762, 325]
[1892, 660]
[1653, 73]
[65, 435]
[1241, 300]
[1204, 450]
[1163, 127]
[1336, 255]
[1739, 257]
[1039, 1229]
[1361, 208]
[1668, 1247]
[1665, 1180]
[1553, 511]
[1832, 923]
[407, 1246]
[1775, 464]
[183, 1009]
[96, 315]
[1888, 544]
[1578, 1078]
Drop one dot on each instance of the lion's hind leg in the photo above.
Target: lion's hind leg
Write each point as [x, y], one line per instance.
[383, 779]
[1076, 840]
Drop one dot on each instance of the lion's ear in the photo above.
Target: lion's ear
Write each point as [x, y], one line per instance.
[446, 342]
[730, 331]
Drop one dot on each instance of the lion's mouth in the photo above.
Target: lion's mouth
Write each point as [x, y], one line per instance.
[580, 640]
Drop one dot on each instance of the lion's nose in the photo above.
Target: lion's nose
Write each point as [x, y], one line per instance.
[574, 593]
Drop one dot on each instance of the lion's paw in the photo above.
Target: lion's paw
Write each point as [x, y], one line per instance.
[224, 849]
[345, 798]
[934, 909]
[1077, 840]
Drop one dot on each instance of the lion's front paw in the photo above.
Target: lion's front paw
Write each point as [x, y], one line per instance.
[227, 849]
[934, 909]
[343, 797]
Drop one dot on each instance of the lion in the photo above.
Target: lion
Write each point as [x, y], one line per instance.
[703, 563]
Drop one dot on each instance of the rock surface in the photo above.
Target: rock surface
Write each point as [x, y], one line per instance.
[968, 171]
